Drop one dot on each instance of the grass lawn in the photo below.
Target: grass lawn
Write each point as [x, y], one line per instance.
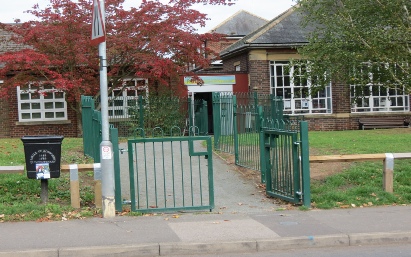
[20, 196]
[361, 183]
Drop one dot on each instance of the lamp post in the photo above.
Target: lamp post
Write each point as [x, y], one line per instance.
[106, 147]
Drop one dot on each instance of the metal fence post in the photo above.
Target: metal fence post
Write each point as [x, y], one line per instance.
[263, 166]
[117, 176]
[216, 119]
[141, 114]
[87, 108]
[305, 164]
[235, 129]
[97, 136]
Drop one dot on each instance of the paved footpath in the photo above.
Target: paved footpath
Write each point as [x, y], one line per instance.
[168, 234]
[243, 221]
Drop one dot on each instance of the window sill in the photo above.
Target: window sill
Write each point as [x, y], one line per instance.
[32, 123]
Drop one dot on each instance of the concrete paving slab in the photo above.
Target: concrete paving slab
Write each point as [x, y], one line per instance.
[294, 224]
[221, 230]
[360, 220]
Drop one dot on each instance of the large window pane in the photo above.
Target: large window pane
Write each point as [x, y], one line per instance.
[39, 97]
[298, 90]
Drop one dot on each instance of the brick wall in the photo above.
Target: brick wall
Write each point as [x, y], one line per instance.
[242, 60]
[41, 128]
[349, 123]
[260, 76]
[4, 119]
[341, 98]
[220, 45]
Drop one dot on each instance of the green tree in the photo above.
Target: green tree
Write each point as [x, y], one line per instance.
[351, 39]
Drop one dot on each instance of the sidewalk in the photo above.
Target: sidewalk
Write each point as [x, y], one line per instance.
[189, 233]
[243, 221]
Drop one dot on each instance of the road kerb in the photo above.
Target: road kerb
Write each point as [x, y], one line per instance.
[115, 250]
[303, 242]
[183, 248]
[32, 253]
[380, 238]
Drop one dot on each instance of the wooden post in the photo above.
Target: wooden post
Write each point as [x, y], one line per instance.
[74, 186]
[388, 173]
[98, 197]
[44, 194]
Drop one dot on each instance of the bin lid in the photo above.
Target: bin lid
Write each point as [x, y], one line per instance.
[42, 139]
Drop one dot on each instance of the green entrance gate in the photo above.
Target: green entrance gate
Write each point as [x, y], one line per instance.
[285, 162]
[171, 174]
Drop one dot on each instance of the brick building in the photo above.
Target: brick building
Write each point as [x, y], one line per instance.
[264, 55]
[26, 112]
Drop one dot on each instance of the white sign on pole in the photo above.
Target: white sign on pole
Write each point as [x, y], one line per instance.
[106, 153]
[98, 33]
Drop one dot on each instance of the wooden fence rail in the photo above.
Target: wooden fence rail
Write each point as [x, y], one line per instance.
[387, 158]
[74, 169]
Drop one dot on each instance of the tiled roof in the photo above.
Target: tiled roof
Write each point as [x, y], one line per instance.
[240, 24]
[6, 45]
[283, 31]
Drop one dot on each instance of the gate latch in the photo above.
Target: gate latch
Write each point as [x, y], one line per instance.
[122, 150]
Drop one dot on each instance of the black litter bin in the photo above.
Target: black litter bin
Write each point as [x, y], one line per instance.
[43, 155]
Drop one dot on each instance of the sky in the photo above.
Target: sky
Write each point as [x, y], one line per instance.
[267, 9]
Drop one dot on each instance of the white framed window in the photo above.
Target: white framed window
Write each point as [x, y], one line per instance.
[297, 94]
[41, 101]
[123, 100]
[373, 96]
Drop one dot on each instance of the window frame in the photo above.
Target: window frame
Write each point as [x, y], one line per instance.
[374, 97]
[121, 97]
[36, 103]
[298, 96]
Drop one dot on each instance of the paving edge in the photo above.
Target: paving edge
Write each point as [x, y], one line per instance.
[184, 248]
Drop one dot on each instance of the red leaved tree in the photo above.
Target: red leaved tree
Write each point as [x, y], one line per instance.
[155, 41]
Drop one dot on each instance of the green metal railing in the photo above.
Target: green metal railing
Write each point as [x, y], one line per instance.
[247, 136]
[237, 124]
[254, 129]
[92, 138]
[171, 174]
[165, 111]
[285, 163]
[223, 120]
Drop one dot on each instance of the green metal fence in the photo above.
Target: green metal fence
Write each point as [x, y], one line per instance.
[237, 124]
[188, 114]
[285, 162]
[171, 174]
[223, 120]
[164, 111]
[254, 129]
[92, 138]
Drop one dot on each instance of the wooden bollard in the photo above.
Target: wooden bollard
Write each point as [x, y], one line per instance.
[98, 196]
[74, 186]
[388, 173]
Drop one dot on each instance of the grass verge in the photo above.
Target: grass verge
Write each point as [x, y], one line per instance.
[361, 184]
[20, 196]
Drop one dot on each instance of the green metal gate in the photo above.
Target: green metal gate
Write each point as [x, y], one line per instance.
[285, 163]
[171, 174]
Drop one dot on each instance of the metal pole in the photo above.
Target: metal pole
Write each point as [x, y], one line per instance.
[106, 147]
